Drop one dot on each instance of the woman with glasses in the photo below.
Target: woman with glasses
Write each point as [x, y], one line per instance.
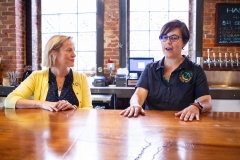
[174, 82]
[56, 88]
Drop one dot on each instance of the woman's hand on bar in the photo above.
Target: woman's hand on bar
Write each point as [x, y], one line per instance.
[189, 113]
[133, 111]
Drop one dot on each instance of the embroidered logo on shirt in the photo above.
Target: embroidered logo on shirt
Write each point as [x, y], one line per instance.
[185, 76]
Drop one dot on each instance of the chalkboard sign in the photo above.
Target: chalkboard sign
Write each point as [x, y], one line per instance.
[227, 24]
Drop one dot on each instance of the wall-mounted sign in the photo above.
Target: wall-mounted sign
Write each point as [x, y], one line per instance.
[227, 24]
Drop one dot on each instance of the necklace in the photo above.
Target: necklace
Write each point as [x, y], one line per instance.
[60, 83]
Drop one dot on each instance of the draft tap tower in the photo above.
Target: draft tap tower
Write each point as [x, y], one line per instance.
[221, 61]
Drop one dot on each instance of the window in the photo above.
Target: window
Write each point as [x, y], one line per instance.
[147, 18]
[75, 18]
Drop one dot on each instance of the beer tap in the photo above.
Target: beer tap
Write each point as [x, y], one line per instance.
[231, 60]
[220, 60]
[214, 60]
[208, 60]
[226, 65]
[237, 59]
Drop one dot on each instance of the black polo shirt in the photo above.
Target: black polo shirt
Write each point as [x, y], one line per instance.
[187, 83]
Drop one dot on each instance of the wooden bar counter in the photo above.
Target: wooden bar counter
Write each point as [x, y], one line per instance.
[34, 134]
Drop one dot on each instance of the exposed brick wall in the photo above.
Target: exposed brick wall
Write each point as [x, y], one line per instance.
[12, 36]
[111, 33]
[209, 31]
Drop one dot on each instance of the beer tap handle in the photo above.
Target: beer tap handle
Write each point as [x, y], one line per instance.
[231, 60]
[214, 60]
[220, 60]
[208, 60]
[226, 60]
[237, 59]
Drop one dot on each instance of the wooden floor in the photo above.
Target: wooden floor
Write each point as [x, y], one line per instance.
[34, 134]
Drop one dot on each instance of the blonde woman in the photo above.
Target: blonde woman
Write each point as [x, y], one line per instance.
[56, 88]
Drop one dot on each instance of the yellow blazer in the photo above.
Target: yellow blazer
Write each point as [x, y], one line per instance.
[36, 84]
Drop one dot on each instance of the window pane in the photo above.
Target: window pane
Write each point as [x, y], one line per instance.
[155, 43]
[70, 6]
[47, 6]
[50, 23]
[155, 5]
[87, 41]
[85, 6]
[139, 5]
[87, 22]
[68, 22]
[179, 5]
[86, 61]
[75, 18]
[149, 16]
[157, 20]
[139, 40]
[139, 21]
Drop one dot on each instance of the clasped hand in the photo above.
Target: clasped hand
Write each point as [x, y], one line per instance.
[61, 105]
[188, 114]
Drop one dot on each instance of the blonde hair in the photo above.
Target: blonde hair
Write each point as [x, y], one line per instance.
[53, 44]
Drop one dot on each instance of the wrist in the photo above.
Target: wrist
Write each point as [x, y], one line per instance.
[135, 104]
[198, 105]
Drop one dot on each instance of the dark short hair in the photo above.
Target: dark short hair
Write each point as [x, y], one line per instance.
[171, 25]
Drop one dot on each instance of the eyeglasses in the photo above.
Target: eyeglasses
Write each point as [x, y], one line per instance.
[173, 38]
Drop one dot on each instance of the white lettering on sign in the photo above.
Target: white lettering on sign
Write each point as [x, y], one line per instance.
[233, 10]
[224, 23]
[237, 23]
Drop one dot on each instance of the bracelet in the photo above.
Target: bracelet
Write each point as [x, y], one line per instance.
[196, 105]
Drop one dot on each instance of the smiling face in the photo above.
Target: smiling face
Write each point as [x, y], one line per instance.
[66, 55]
[173, 49]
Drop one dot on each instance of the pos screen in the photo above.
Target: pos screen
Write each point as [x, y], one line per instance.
[137, 65]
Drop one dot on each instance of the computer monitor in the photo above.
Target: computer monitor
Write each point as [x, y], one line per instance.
[138, 64]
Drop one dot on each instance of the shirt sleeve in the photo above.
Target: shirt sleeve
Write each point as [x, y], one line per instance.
[86, 94]
[143, 79]
[202, 87]
[24, 90]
